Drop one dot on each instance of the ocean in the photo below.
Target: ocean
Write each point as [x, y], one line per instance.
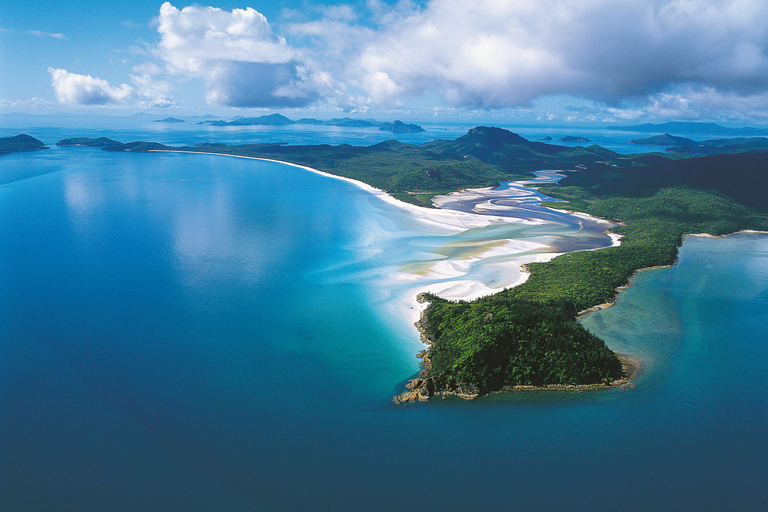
[195, 332]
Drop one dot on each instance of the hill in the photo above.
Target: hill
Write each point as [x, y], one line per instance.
[100, 142]
[400, 127]
[22, 142]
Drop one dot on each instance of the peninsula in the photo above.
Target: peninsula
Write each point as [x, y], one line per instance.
[527, 335]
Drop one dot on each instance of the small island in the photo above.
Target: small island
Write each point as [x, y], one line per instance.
[169, 120]
[400, 127]
[571, 138]
[683, 145]
[22, 142]
[664, 140]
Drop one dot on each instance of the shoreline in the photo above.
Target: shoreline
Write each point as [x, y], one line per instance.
[447, 219]
[451, 220]
[606, 305]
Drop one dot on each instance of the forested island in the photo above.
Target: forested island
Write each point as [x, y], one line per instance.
[528, 335]
[22, 142]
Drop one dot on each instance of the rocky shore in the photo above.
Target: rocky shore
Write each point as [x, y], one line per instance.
[421, 389]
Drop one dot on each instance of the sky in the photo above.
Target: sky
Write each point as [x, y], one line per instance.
[578, 61]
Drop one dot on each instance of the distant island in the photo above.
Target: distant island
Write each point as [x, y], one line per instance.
[22, 142]
[169, 120]
[101, 142]
[571, 138]
[399, 127]
[346, 122]
[686, 146]
[526, 337]
[664, 140]
[693, 128]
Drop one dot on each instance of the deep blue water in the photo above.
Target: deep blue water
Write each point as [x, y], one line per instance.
[191, 332]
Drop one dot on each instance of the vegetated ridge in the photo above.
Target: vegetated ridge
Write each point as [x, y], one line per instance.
[22, 142]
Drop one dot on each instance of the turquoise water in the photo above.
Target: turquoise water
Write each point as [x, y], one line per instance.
[190, 332]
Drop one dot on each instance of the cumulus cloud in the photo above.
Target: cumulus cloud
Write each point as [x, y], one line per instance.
[86, 90]
[676, 58]
[243, 62]
[492, 53]
[76, 89]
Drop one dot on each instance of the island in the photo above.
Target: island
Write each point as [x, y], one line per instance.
[686, 146]
[528, 337]
[169, 120]
[697, 128]
[344, 122]
[22, 142]
[664, 140]
[571, 138]
[400, 127]
[100, 142]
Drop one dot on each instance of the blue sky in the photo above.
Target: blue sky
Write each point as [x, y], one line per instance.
[584, 61]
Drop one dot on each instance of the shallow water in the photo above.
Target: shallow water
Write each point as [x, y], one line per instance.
[189, 332]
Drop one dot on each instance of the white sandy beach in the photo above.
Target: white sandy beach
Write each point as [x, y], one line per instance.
[456, 278]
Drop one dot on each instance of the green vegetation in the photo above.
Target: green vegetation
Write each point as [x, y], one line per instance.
[505, 340]
[400, 127]
[484, 157]
[21, 142]
[101, 142]
[527, 334]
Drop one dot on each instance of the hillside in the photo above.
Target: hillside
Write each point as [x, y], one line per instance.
[21, 142]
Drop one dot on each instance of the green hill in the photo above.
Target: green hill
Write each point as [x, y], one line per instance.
[101, 142]
[21, 142]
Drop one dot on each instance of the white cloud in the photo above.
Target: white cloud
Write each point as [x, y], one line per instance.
[152, 92]
[238, 55]
[496, 53]
[39, 33]
[86, 90]
[33, 103]
[76, 89]
[677, 58]
[36, 33]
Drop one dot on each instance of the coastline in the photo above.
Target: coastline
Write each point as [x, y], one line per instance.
[443, 218]
[421, 389]
[606, 305]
